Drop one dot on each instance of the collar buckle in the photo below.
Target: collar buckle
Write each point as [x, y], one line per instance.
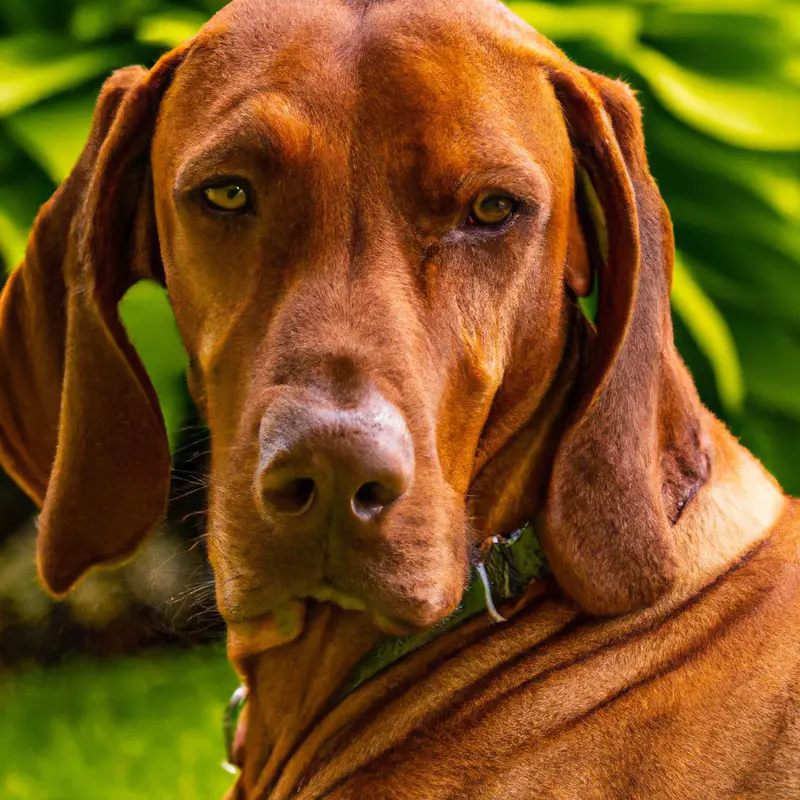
[230, 723]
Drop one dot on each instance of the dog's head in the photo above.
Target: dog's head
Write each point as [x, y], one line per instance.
[373, 220]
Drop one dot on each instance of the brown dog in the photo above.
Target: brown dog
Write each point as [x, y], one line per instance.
[373, 220]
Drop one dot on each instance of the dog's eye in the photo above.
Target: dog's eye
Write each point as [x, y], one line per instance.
[226, 198]
[491, 207]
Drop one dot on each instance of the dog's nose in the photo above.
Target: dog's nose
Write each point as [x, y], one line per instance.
[333, 466]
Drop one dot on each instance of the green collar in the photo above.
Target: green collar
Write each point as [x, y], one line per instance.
[504, 571]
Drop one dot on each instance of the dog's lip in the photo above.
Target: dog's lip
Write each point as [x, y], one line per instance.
[328, 592]
[394, 627]
[286, 621]
[251, 636]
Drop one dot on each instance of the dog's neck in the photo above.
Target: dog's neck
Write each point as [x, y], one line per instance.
[295, 686]
[292, 686]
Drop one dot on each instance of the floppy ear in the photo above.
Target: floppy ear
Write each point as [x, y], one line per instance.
[635, 452]
[80, 425]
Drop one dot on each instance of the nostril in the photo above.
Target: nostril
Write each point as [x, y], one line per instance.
[295, 498]
[372, 498]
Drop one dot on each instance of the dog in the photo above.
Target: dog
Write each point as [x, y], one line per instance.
[375, 220]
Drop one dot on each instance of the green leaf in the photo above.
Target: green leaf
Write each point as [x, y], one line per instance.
[741, 219]
[761, 22]
[26, 15]
[13, 238]
[9, 152]
[757, 117]
[739, 273]
[709, 6]
[711, 333]
[169, 28]
[615, 25]
[212, 6]
[699, 366]
[20, 199]
[97, 19]
[770, 355]
[774, 178]
[37, 66]
[751, 43]
[792, 71]
[148, 318]
[55, 132]
[776, 440]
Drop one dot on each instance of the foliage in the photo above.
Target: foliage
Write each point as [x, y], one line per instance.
[124, 729]
[720, 83]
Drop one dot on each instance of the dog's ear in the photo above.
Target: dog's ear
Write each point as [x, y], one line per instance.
[80, 425]
[634, 453]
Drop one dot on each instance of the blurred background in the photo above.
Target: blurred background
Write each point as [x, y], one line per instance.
[118, 691]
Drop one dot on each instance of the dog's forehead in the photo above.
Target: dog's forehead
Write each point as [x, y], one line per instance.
[327, 50]
[285, 14]
[335, 69]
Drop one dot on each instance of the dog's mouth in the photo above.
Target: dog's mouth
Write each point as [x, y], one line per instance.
[254, 635]
[329, 592]
[285, 623]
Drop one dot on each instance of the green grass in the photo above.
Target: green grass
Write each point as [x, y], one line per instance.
[144, 728]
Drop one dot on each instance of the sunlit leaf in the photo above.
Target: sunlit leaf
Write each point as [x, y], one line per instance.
[699, 366]
[774, 178]
[616, 25]
[741, 43]
[148, 318]
[95, 19]
[709, 329]
[709, 6]
[758, 117]
[790, 13]
[792, 70]
[54, 133]
[37, 66]
[169, 28]
[13, 238]
[699, 21]
[19, 202]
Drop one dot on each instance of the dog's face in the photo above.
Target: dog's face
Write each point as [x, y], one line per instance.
[363, 225]
[367, 218]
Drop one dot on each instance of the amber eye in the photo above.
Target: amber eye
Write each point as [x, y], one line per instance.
[226, 198]
[491, 207]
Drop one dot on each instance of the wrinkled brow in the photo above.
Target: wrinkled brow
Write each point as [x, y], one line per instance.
[517, 172]
[491, 159]
[259, 131]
